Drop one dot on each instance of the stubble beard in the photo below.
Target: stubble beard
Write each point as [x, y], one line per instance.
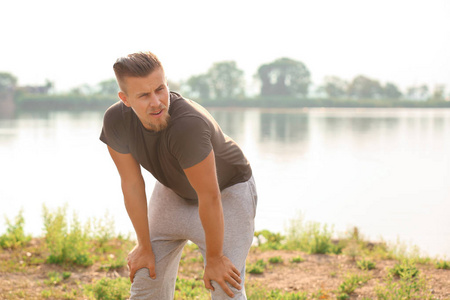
[160, 125]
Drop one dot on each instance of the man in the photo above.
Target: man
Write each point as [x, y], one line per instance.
[204, 192]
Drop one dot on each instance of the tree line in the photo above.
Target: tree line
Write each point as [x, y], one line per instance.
[282, 78]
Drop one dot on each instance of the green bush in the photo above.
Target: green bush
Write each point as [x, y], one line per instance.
[310, 237]
[405, 269]
[15, 236]
[65, 246]
[256, 268]
[410, 285]
[350, 284]
[365, 264]
[269, 240]
[297, 259]
[109, 289]
[275, 260]
[442, 264]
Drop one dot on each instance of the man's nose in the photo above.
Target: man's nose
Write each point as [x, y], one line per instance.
[154, 101]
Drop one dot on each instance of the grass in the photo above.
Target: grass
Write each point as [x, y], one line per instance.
[349, 285]
[297, 259]
[256, 268]
[366, 264]
[276, 260]
[108, 289]
[404, 281]
[442, 264]
[15, 236]
[72, 245]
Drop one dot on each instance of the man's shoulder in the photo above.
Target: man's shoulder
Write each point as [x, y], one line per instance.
[116, 112]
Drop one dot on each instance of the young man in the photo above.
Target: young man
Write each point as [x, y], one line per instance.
[204, 192]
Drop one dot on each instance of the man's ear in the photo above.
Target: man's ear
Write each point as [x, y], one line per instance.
[124, 98]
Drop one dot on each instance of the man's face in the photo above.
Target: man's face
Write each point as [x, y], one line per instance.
[149, 99]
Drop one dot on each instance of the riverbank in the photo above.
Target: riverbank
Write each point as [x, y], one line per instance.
[88, 261]
[101, 102]
[286, 274]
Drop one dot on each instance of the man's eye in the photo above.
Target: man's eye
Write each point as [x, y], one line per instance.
[143, 95]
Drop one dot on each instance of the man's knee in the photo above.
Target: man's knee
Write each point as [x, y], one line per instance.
[219, 293]
[142, 285]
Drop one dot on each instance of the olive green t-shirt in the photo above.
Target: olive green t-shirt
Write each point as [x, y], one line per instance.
[190, 136]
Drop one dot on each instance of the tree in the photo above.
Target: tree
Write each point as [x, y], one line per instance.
[284, 77]
[226, 80]
[7, 82]
[335, 87]
[417, 92]
[108, 87]
[199, 86]
[438, 93]
[364, 88]
[391, 91]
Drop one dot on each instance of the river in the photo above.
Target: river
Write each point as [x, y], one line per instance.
[386, 171]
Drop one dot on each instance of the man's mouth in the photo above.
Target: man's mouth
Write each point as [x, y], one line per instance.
[157, 113]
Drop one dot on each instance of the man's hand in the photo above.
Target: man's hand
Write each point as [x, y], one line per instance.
[222, 270]
[141, 257]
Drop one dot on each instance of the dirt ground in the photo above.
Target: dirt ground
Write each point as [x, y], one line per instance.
[23, 274]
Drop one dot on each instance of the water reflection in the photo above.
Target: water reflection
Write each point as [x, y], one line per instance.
[284, 127]
[231, 121]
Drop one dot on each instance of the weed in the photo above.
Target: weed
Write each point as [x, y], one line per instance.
[15, 236]
[65, 246]
[409, 286]
[256, 268]
[350, 284]
[109, 289]
[275, 260]
[255, 292]
[268, 240]
[297, 259]
[442, 264]
[365, 264]
[190, 289]
[54, 278]
[310, 237]
[405, 269]
[46, 294]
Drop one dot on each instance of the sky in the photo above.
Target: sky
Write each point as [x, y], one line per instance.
[72, 43]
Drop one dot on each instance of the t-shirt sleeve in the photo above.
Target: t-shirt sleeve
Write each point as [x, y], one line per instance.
[113, 132]
[190, 141]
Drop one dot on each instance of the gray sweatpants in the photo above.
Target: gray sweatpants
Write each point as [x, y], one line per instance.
[173, 221]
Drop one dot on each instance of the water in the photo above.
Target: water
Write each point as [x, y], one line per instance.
[386, 171]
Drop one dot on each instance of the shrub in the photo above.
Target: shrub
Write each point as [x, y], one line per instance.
[269, 240]
[365, 264]
[445, 265]
[350, 284]
[15, 236]
[256, 268]
[297, 259]
[109, 289]
[310, 237]
[405, 269]
[275, 260]
[65, 246]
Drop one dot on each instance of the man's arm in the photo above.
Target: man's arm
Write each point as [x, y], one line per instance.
[219, 268]
[133, 188]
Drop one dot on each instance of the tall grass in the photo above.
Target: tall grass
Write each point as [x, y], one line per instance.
[15, 236]
[67, 244]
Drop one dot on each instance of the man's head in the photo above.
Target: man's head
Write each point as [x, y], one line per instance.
[143, 87]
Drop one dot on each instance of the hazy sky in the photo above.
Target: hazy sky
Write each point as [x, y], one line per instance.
[75, 42]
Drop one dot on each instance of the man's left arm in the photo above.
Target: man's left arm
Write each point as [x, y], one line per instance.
[219, 268]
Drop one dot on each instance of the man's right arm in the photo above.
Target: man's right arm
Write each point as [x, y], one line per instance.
[133, 188]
